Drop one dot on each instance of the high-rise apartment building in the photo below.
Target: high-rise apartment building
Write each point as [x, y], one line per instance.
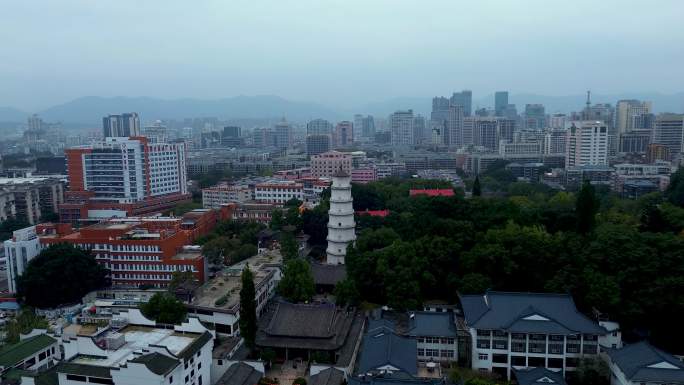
[669, 131]
[500, 102]
[453, 133]
[367, 127]
[534, 117]
[464, 99]
[122, 125]
[283, 134]
[625, 112]
[485, 133]
[420, 132]
[319, 127]
[586, 144]
[558, 121]
[343, 135]
[317, 144]
[124, 176]
[401, 128]
[326, 164]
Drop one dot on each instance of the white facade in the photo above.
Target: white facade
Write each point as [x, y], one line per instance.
[129, 170]
[19, 251]
[214, 197]
[669, 131]
[278, 192]
[401, 126]
[587, 144]
[341, 225]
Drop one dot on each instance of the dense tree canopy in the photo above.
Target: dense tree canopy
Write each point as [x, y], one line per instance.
[59, 275]
[297, 284]
[164, 308]
[248, 317]
[621, 257]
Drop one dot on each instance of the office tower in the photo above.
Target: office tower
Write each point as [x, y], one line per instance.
[554, 141]
[319, 127]
[123, 125]
[358, 125]
[644, 121]
[401, 128]
[367, 127]
[232, 132]
[341, 225]
[283, 134]
[506, 128]
[635, 141]
[669, 131]
[467, 128]
[500, 102]
[485, 133]
[586, 144]
[317, 144]
[534, 117]
[510, 111]
[263, 137]
[156, 132]
[453, 134]
[437, 133]
[440, 109]
[343, 135]
[464, 99]
[420, 133]
[625, 111]
[558, 121]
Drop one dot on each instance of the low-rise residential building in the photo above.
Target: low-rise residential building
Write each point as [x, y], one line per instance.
[642, 363]
[253, 211]
[537, 376]
[19, 251]
[435, 334]
[278, 192]
[29, 198]
[521, 330]
[596, 175]
[217, 302]
[364, 175]
[328, 163]
[215, 197]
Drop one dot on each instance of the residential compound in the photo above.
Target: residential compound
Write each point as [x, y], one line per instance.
[587, 144]
[327, 164]
[30, 198]
[124, 176]
[518, 330]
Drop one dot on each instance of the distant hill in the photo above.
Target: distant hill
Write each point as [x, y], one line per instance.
[91, 109]
[9, 114]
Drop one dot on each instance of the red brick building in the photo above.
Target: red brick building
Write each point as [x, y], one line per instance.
[142, 250]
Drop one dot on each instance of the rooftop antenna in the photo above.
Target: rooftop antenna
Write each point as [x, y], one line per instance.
[588, 99]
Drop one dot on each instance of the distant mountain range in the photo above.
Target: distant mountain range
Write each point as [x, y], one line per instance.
[90, 109]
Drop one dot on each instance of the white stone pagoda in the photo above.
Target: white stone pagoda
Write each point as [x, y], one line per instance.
[341, 225]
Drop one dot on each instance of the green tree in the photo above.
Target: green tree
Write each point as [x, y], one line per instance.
[592, 371]
[586, 206]
[477, 189]
[248, 318]
[288, 245]
[277, 220]
[60, 274]
[179, 278]
[9, 225]
[164, 308]
[23, 323]
[297, 284]
[218, 249]
[675, 190]
[346, 293]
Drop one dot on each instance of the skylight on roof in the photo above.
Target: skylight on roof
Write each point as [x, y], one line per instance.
[662, 365]
[546, 380]
[535, 317]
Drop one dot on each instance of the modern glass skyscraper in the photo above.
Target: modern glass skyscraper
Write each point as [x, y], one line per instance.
[500, 102]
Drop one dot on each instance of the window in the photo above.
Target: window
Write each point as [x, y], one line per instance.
[170, 379]
[421, 352]
[483, 357]
[73, 377]
[199, 366]
[483, 344]
[518, 361]
[187, 378]
[500, 358]
[198, 353]
[97, 380]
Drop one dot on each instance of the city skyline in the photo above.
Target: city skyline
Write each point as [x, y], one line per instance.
[211, 50]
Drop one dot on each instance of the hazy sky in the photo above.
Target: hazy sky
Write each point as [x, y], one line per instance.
[342, 53]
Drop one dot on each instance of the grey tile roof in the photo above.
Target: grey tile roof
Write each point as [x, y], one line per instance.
[390, 380]
[381, 347]
[11, 355]
[240, 374]
[157, 363]
[642, 362]
[305, 326]
[330, 376]
[527, 313]
[328, 274]
[432, 324]
[537, 376]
